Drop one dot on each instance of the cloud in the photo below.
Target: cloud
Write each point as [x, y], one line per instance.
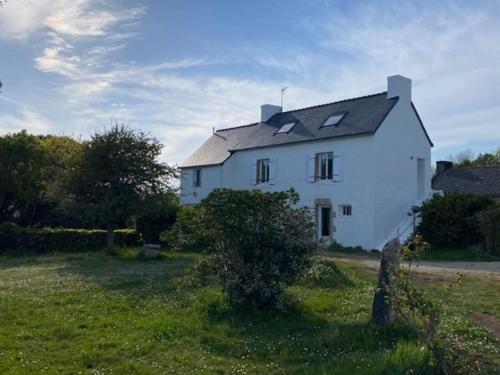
[75, 18]
[18, 21]
[449, 51]
[80, 19]
[27, 119]
[53, 60]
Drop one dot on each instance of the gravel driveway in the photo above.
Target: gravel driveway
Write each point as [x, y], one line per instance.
[427, 266]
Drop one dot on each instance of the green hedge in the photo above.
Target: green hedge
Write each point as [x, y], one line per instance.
[15, 238]
[452, 219]
[489, 221]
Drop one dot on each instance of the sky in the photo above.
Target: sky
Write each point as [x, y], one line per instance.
[176, 69]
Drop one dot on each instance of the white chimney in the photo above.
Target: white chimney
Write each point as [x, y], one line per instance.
[267, 111]
[399, 86]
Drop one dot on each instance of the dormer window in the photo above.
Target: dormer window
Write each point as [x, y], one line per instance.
[334, 119]
[286, 127]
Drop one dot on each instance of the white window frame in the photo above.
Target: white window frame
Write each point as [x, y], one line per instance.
[323, 169]
[263, 171]
[197, 177]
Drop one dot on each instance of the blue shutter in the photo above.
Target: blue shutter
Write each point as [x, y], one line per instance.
[337, 167]
[311, 166]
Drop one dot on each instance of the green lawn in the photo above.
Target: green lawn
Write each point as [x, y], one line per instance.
[95, 313]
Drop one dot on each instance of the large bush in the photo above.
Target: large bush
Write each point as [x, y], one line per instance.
[15, 238]
[452, 219]
[261, 243]
[158, 213]
[489, 222]
[187, 232]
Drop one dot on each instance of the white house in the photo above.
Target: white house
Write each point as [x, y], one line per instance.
[359, 164]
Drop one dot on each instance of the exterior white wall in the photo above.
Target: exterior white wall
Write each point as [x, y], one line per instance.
[399, 143]
[379, 177]
[290, 163]
[210, 179]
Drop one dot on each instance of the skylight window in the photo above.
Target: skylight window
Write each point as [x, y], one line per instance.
[333, 120]
[286, 127]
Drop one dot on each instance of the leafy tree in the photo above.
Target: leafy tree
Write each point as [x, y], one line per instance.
[157, 214]
[187, 232]
[261, 242]
[117, 169]
[55, 206]
[21, 175]
[487, 159]
[466, 159]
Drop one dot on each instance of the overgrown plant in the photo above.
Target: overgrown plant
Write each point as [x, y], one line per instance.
[447, 352]
[452, 219]
[261, 243]
[489, 222]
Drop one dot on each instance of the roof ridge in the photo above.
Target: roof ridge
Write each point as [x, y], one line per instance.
[480, 167]
[237, 127]
[338, 101]
[304, 108]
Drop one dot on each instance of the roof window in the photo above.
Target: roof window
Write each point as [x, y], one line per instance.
[286, 127]
[333, 120]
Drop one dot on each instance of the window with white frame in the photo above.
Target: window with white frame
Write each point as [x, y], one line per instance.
[262, 171]
[346, 209]
[324, 166]
[197, 177]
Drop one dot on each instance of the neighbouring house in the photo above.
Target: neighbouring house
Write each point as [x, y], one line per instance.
[358, 164]
[480, 181]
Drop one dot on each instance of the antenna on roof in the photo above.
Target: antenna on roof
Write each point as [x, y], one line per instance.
[282, 92]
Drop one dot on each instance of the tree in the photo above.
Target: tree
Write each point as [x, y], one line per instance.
[487, 159]
[157, 213]
[56, 206]
[261, 243]
[466, 159]
[463, 158]
[117, 169]
[21, 175]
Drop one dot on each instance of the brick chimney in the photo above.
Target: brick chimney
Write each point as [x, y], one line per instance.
[442, 166]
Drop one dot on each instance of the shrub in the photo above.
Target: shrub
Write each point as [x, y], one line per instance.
[60, 239]
[489, 222]
[261, 242]
[158, 213]
[9, 235]
[203, 272]
[186, 233]
[326, 275]
[452, 219]
[447, 352]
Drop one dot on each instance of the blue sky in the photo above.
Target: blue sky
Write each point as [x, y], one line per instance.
[178, 68]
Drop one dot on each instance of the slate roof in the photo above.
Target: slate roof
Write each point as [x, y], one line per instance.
[481, 181]
[363, 115]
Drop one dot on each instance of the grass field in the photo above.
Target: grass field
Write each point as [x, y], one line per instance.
[96, 313]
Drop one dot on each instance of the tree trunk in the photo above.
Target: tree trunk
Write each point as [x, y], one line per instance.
[110, 235]
[383, 308]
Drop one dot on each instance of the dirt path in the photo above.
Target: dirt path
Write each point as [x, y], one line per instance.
[489, 269]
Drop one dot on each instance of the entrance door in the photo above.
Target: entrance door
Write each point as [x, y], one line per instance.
[325, 221]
